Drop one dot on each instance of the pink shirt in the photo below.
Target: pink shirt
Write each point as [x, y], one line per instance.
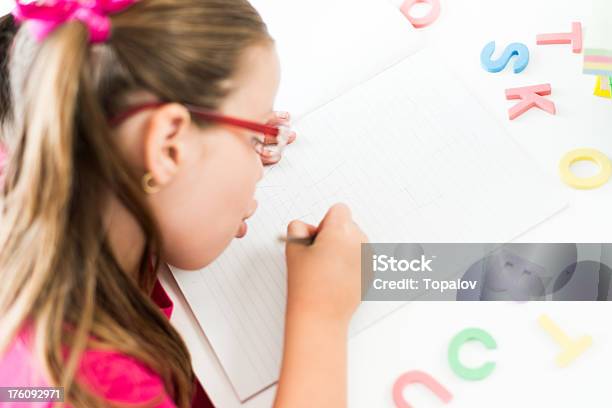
[112, 375]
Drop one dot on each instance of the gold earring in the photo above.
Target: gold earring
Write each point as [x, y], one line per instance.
[148, 184]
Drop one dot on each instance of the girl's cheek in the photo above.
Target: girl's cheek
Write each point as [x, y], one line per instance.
[218, 195]
[199, 230]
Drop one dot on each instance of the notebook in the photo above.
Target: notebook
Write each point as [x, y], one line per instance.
[409, 150]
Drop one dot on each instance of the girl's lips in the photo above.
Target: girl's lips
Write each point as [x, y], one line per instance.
[242, 230]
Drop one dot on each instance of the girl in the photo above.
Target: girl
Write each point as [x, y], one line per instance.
[121, 157]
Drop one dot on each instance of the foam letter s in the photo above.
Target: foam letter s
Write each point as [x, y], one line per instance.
[515, 49]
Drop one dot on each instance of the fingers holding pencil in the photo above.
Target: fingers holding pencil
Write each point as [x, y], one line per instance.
[324, 265]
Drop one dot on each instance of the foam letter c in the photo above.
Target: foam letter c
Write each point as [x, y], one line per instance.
[458, 341]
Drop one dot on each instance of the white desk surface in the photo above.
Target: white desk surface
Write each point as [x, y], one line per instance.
[525, 372]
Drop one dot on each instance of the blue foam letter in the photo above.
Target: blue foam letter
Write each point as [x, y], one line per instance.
[515, 49]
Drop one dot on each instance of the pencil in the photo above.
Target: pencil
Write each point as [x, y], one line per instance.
[303, 241]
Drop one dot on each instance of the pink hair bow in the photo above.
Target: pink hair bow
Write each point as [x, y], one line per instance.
[43, 16]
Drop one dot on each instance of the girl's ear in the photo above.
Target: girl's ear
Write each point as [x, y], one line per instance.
[164, 141]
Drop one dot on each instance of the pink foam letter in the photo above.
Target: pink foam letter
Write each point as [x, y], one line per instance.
[418, 377]
[426, 20]
[531, 97]
[574, 38]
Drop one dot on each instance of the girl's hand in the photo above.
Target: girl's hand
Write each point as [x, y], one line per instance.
[278, 118]
[324, 278]
[324, 288]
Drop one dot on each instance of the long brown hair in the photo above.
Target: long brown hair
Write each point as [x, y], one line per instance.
[58, 273]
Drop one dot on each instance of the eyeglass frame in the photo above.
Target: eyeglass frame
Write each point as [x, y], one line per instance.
[281, 133]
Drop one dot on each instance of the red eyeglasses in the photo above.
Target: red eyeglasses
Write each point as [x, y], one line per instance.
[280, 133]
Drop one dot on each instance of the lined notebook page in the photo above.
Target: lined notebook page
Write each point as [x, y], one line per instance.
[414, 156]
